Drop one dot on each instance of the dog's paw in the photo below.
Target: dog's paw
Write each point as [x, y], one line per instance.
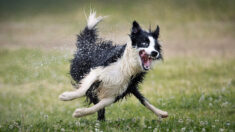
[66, 96]
[164, 114]
[79, 112]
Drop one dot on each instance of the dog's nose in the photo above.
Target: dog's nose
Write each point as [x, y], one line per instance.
[155, 54]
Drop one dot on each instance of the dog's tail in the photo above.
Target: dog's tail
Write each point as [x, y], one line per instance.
[89, 35]
[93, 20]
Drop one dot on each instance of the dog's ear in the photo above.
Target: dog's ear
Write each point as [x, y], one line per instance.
[135, 28]
[156, 32]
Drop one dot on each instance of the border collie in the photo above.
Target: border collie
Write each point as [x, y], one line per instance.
[106, 73]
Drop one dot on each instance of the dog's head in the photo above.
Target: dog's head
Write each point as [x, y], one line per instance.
[146, 43]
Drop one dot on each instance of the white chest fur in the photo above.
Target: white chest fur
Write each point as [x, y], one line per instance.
[115, 78]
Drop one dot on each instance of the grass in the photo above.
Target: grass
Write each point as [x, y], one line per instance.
[197, 92]
[195, 83]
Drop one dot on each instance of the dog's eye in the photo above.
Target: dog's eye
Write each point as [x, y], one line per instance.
[145, 44]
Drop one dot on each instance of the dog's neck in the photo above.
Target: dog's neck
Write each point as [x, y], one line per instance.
[130, 60]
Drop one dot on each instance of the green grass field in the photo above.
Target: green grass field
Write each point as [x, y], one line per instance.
[195, 83]
[198, 94]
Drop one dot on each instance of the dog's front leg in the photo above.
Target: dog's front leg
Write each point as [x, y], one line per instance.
[141, 98]
[158, 112]
[87, 111]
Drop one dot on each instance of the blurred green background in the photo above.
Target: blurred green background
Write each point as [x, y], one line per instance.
[195, 83]
[187, 26]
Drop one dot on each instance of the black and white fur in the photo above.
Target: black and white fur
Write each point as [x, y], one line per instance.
[106, 73]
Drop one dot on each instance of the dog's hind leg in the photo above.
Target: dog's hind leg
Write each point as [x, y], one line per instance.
[99, 106]
[86, 83]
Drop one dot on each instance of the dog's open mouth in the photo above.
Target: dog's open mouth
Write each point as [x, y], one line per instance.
[145, 59]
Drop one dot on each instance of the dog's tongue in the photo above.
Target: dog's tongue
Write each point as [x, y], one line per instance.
[146, 60]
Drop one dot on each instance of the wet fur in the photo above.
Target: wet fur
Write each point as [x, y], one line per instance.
[103, 70]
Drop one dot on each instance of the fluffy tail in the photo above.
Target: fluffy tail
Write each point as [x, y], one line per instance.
[89, 36]
[93, 20]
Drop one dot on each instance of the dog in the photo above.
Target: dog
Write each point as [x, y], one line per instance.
[106, 73]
